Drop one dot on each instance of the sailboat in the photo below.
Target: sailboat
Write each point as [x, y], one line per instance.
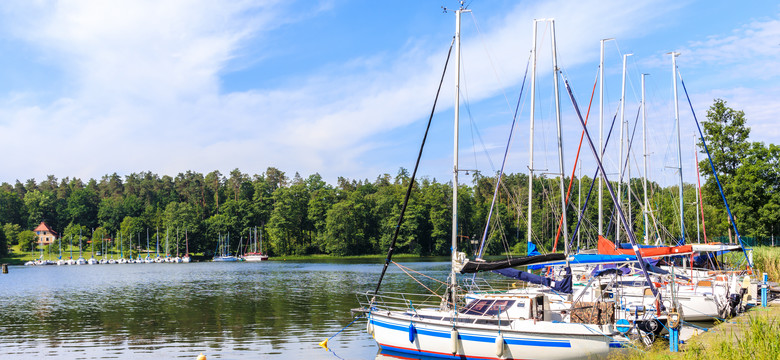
[59, 258]
[186, 257]
[223, 250]
[70, 260]
[256, 253]
[177, 259]
[157, 257]
[148, 258]
[92, 260]
[495, 326]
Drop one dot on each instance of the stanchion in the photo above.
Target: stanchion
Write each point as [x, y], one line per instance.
[674, 331]
[764, 290]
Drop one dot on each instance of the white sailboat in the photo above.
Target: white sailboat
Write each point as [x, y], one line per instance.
[256, 253]
[186, 258]
[498, 326]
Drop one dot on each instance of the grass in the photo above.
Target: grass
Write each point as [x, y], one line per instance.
[18, 257]
[753, 335]
[767, 259]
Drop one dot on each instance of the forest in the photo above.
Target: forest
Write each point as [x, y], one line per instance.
[301, 216]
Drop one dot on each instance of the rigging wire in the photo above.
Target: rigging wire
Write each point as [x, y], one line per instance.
[414, 174]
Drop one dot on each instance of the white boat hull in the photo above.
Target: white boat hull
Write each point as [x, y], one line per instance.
[522, 339]
[254, 258]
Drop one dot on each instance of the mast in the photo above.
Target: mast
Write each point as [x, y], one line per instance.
[531, 135]
[679, 146]
[600, 155]
[644, 155]
[158, 241]
[579, 203]
[622, 127]
[560, 136]
[696, 158]
[453, 280]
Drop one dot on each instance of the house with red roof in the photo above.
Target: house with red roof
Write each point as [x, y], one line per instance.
[46, 235]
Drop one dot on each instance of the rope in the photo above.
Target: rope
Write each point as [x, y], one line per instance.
[715, 173]
[418, 281]
[414, 174]
[571, 178]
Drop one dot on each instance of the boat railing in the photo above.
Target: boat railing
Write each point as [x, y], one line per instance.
[397, 301]
[481, 285]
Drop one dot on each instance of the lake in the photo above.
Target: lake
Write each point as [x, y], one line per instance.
[266, 310]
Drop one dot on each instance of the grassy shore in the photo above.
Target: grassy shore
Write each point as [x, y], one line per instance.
[17, 257]
[753, 335]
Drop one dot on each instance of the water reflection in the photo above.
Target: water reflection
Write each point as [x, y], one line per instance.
[225, 310]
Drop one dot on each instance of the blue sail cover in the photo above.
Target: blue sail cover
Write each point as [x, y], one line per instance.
[532, 250]
[594, 259]
[563, 286]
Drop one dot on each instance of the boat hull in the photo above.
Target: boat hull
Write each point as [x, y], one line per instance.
[523, 339]
[255, 257]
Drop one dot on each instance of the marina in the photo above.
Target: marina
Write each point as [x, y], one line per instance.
[498, 261]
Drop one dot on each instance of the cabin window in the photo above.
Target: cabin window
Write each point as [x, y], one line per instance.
[487, 307]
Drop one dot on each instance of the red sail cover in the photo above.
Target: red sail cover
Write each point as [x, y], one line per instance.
[607, 247]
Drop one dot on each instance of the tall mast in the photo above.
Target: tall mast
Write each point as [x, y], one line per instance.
[453, 280]
[579, 202]
[644, 155]
[600, 154]
[560, 137]
[696, 158]
[622, 126]
[679, 146]
[531, 135]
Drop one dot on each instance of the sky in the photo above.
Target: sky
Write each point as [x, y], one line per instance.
[344, 88]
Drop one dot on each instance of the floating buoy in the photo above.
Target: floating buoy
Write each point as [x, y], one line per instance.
[201, 357]
[412, 332]
[500, 345]
[370, 327]
[454, 339]
[324, 344]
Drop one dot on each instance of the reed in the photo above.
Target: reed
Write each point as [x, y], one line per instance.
[767, 260]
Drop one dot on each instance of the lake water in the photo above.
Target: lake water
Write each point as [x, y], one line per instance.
[267, 310]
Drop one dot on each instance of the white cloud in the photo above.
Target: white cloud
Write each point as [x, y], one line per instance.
[145, 80]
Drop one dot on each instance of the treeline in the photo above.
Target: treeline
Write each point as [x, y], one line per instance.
[309, 216]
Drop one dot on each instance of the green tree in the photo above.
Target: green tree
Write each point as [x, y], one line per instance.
[345, 228]
[40, 207]
[26, 240]
[11, 232]
[3, 244]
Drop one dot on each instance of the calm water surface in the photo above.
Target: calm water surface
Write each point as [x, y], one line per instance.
[268, 310]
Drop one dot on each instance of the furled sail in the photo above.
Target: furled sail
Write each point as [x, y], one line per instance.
[473, 266]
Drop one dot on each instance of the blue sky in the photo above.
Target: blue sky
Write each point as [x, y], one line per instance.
[343, 88]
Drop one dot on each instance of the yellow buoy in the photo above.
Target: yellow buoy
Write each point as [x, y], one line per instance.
[324, 344]
[201, 357]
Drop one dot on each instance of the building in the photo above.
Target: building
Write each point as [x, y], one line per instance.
[46, 235]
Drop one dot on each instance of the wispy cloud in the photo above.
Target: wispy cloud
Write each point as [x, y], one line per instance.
[143, 88]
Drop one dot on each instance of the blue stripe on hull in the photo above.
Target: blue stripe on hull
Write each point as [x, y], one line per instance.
[424, 355]
[478, 338]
